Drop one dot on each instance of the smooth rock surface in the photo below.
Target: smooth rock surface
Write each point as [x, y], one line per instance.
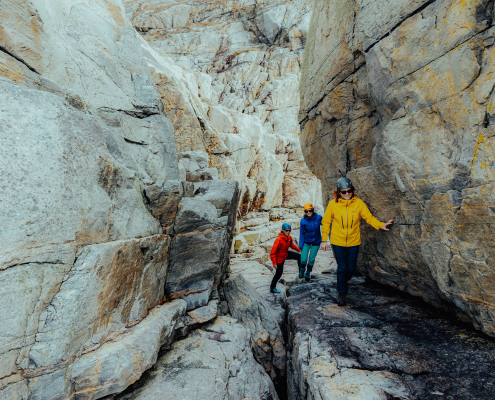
[215, 362]
[119, 362]
[109, 286]
[398, 96]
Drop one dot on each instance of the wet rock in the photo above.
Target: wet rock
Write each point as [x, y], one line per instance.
[215, 362]
[409, 121]
[383, 344]
[248, 306]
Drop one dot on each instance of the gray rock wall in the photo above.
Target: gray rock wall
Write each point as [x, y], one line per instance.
[398, 96]
[97, 230]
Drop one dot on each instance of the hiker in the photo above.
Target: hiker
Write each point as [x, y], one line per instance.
[346, 210]
[280, 252]
[309, 240]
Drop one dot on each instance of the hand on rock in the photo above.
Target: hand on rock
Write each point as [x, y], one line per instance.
[385, 225]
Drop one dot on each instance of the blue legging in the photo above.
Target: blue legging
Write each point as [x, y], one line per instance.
[346, 258]
[308, 255]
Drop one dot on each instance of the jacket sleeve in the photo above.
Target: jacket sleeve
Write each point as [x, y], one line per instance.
[273, 253]
[293, 246]
[326, 221]
[369, 218]
[301, 234]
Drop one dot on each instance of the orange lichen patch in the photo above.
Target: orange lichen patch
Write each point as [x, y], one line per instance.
[116, 14]
[92, 237]
[12, 69]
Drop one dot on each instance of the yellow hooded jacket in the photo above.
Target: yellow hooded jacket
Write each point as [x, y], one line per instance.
[346, 216]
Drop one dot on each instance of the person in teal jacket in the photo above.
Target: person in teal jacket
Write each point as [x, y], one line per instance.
[309, 240]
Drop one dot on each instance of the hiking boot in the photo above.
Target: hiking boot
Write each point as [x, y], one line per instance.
[274, 290]
[301, 272]
[307, 276]
[341, 300]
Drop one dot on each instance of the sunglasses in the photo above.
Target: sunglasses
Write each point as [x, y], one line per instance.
[286, 230]
[346, 191]
[308, 211]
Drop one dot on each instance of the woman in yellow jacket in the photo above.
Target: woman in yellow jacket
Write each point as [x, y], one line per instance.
[345, 211]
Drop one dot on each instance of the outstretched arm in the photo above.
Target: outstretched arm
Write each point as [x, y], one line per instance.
[374, 222]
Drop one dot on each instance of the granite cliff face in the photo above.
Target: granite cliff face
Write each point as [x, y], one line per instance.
[229, 84]
[109, 252]
[124, 168]
[398, 95]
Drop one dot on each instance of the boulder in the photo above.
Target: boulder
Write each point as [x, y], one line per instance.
[409, 121]
[110, 286]
[121, 360]
[195, 214]
[214, 362]
[200, 251]
[250, 309]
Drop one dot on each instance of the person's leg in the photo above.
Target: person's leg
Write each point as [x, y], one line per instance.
[304, 254]
[295, 256]
[352, 255]
[312, 257]
[278, 274]
[304, 259]
[340, 257]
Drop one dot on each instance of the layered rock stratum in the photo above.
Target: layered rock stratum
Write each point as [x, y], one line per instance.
[398, 96]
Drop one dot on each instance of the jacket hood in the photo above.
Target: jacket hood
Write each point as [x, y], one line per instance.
[281, 235]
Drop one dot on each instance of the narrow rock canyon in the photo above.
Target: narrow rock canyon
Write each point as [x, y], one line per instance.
[152, 150]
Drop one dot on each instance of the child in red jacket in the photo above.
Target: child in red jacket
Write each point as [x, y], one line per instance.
[280, 253]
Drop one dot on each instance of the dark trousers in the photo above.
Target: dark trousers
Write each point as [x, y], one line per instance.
[280, 267]
[346, 258]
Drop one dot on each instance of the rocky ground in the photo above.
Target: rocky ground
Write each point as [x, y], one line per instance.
[383, 345]
[300, 345]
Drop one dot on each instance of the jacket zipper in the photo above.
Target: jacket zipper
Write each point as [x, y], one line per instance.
[347, 214]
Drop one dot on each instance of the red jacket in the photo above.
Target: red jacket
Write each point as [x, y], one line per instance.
[280, 249]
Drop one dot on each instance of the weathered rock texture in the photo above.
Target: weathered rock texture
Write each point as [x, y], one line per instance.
[214, 362]
[384, 345]
[91, 279]
[248, 306]
[228, 76]
[398, 95]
